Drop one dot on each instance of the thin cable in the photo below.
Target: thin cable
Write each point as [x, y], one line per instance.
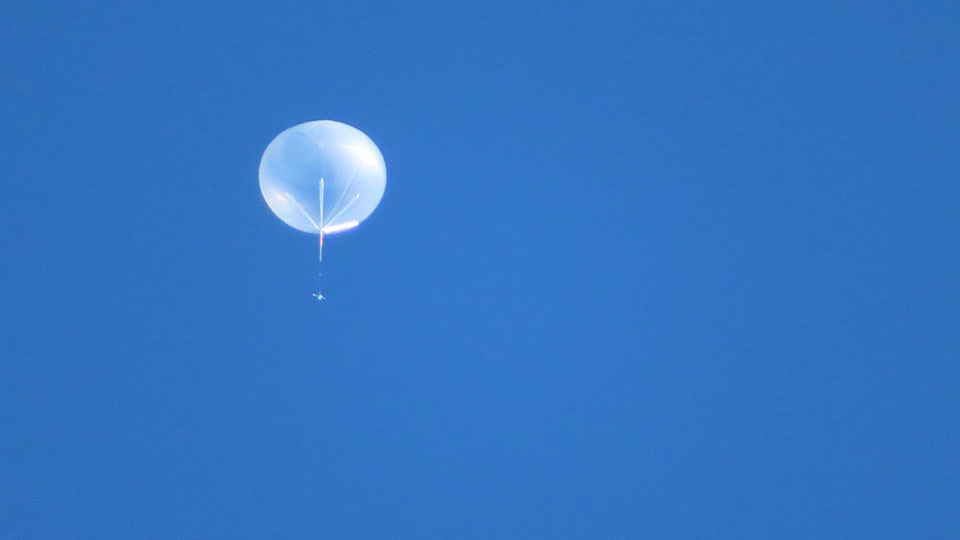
[342, 210]
[302, 211]
[319, 294]
[344, 192]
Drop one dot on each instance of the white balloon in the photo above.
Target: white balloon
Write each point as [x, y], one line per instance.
[349, 164]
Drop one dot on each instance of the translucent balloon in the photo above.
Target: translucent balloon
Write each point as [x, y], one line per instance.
[322, 161]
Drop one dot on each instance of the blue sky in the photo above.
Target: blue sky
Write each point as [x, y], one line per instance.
[642, 270]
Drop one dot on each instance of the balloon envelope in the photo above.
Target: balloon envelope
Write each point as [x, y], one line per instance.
[350, 164]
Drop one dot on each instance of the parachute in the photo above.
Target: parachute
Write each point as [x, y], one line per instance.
[322, 177]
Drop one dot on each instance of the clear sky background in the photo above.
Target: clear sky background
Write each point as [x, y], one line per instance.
[642, 270]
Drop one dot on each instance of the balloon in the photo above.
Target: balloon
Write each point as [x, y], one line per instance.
[338, 157]
[322, 177]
